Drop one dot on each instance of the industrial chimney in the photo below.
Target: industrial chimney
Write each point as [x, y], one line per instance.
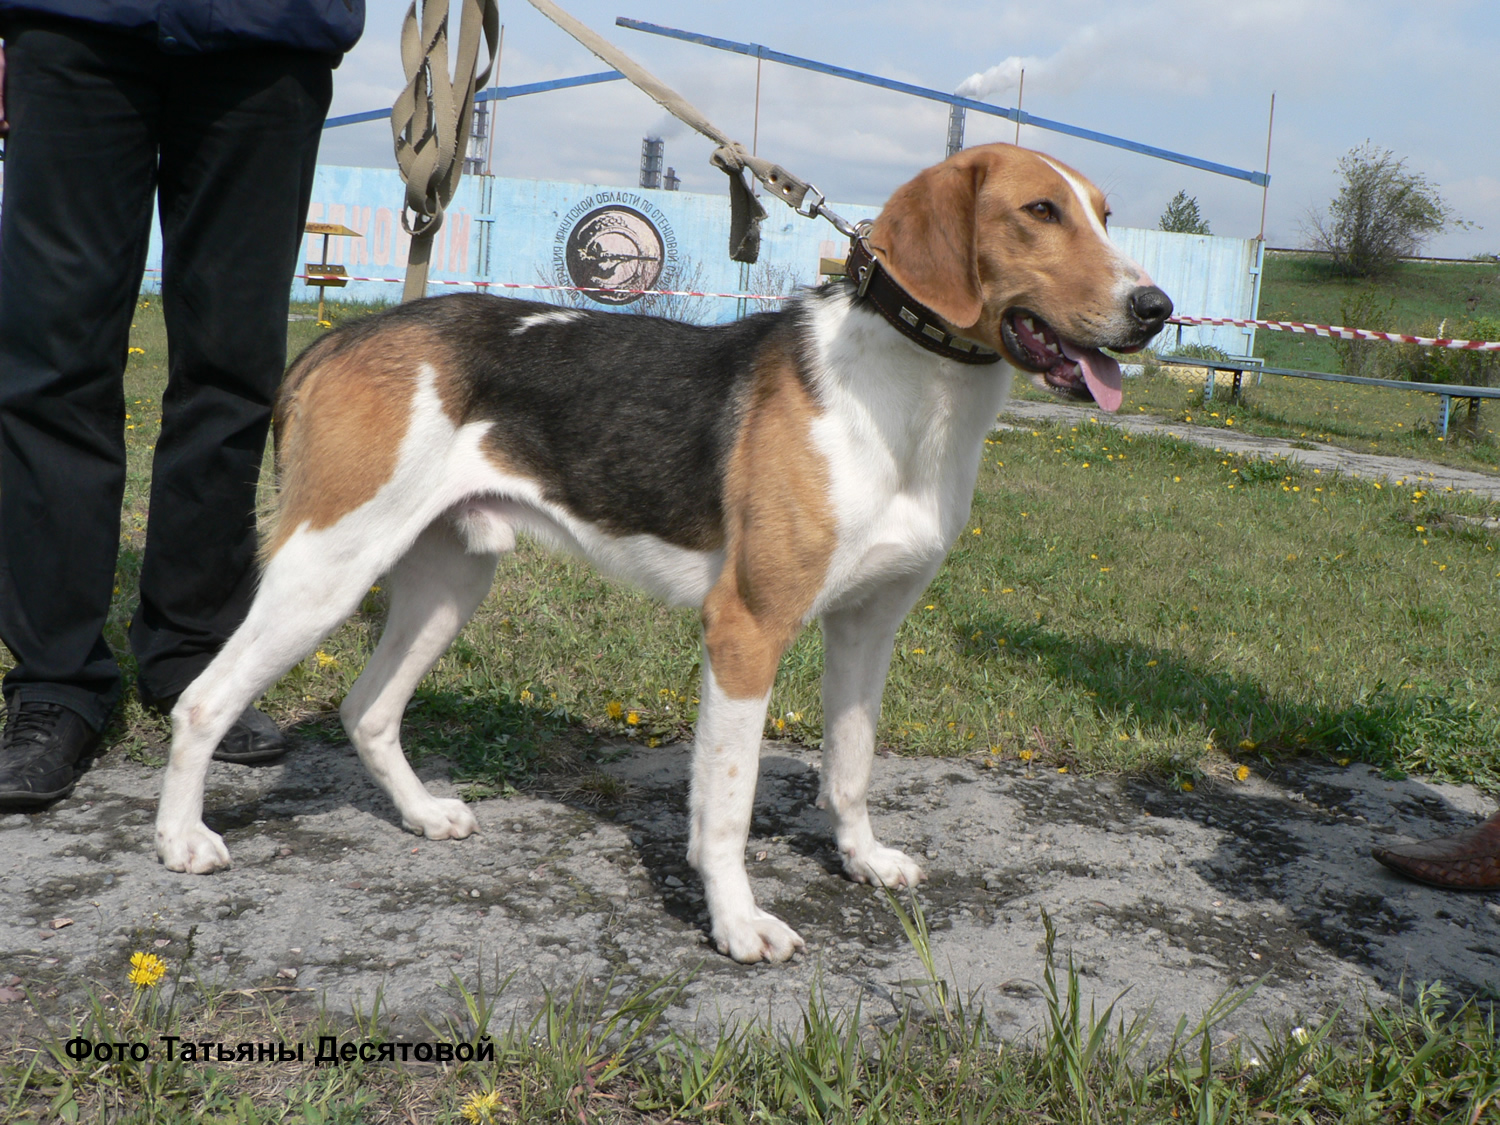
[652, 149]
[956, 115]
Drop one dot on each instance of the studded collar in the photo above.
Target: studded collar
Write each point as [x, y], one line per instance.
[906, 314]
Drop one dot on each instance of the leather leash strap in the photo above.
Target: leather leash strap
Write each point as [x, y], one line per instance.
[906, 314]
[430, 119]
[734, 158]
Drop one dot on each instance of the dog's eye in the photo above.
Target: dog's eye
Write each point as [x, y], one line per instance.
[1043, 210]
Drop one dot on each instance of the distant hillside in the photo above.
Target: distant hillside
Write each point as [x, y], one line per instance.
[1413, 298]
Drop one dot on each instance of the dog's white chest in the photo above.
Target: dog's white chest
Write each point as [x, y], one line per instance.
[902, 436]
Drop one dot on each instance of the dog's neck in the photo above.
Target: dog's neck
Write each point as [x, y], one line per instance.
[875, 286]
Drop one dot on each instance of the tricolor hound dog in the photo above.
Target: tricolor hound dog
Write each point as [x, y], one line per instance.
[811, 463]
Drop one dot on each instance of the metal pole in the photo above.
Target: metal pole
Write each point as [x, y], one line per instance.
[1446, 400]
[323, 288]
[1265, 190]
[1020, 94]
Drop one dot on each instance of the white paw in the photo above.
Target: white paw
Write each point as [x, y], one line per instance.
[440, 818]
[883, 866]
[195, 849]
[759, 937]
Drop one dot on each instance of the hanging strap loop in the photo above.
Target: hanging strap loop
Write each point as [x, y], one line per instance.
[430, 118]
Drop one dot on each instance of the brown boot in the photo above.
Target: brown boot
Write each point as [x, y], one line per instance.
[1467, 861]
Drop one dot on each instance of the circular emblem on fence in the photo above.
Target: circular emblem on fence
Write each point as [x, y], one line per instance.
[615, 247]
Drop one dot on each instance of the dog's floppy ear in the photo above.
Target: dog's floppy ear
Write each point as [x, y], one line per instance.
[924, 238]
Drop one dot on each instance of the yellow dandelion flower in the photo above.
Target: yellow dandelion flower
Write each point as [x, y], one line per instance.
[526, 696]
[780, 724]
[1242, 774]
[633, 718]
[1062, 769]
[146, 969]
[1026, 755]
[325, 324]
[1150, 664]
[481, 1109]
[1248, 744]
[1187, 786]
[325, 660]
[135, 351]
[653, 742]
[919, 652]
[614, 709]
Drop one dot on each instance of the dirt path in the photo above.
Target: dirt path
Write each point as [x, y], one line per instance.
[1315, 455]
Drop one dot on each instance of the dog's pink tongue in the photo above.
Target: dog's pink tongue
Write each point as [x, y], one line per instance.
[1100, 372]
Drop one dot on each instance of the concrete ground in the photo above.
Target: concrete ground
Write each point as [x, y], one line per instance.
[1175, 896]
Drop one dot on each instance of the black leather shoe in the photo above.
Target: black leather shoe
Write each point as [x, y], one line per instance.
[44, 749]
[253, 739]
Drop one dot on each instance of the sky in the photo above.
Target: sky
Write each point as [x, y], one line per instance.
[1193, 76]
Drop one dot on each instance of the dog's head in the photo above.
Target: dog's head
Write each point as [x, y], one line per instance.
[1009, 247]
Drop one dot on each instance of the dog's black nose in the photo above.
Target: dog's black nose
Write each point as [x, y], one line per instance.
[1150, 306]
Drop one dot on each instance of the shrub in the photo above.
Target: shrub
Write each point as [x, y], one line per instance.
[1370, 359]
[1445, 365]
[1383, 212]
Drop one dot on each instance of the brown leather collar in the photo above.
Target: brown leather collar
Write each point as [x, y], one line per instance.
[907, 315]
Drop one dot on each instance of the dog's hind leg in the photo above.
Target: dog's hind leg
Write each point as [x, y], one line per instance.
[434, 591]
[309, 587]
[857, 643]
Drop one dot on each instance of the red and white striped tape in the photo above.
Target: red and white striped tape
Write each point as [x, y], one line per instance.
[1329, 331]
[1334, 331]
[578, 288]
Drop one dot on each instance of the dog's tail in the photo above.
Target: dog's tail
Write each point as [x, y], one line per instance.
[283, 426]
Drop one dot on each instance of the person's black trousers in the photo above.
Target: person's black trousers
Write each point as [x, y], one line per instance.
[99, 121]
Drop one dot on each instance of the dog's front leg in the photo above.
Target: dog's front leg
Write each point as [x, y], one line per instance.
[726, 761]
[857, 644]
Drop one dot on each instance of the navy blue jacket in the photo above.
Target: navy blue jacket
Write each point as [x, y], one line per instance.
[183, 27]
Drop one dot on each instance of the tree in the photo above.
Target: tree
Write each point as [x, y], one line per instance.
[1182, 216]
[1383, 212]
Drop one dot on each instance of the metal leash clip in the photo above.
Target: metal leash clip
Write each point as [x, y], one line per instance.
[858, 233]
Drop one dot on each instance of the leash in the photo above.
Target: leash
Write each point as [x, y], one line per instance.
[874, 283]
[733, 158]
[430, 118]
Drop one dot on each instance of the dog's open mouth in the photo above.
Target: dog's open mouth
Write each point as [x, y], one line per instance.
[1059, 365]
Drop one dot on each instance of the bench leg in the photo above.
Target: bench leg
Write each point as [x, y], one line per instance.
[1443, 427]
